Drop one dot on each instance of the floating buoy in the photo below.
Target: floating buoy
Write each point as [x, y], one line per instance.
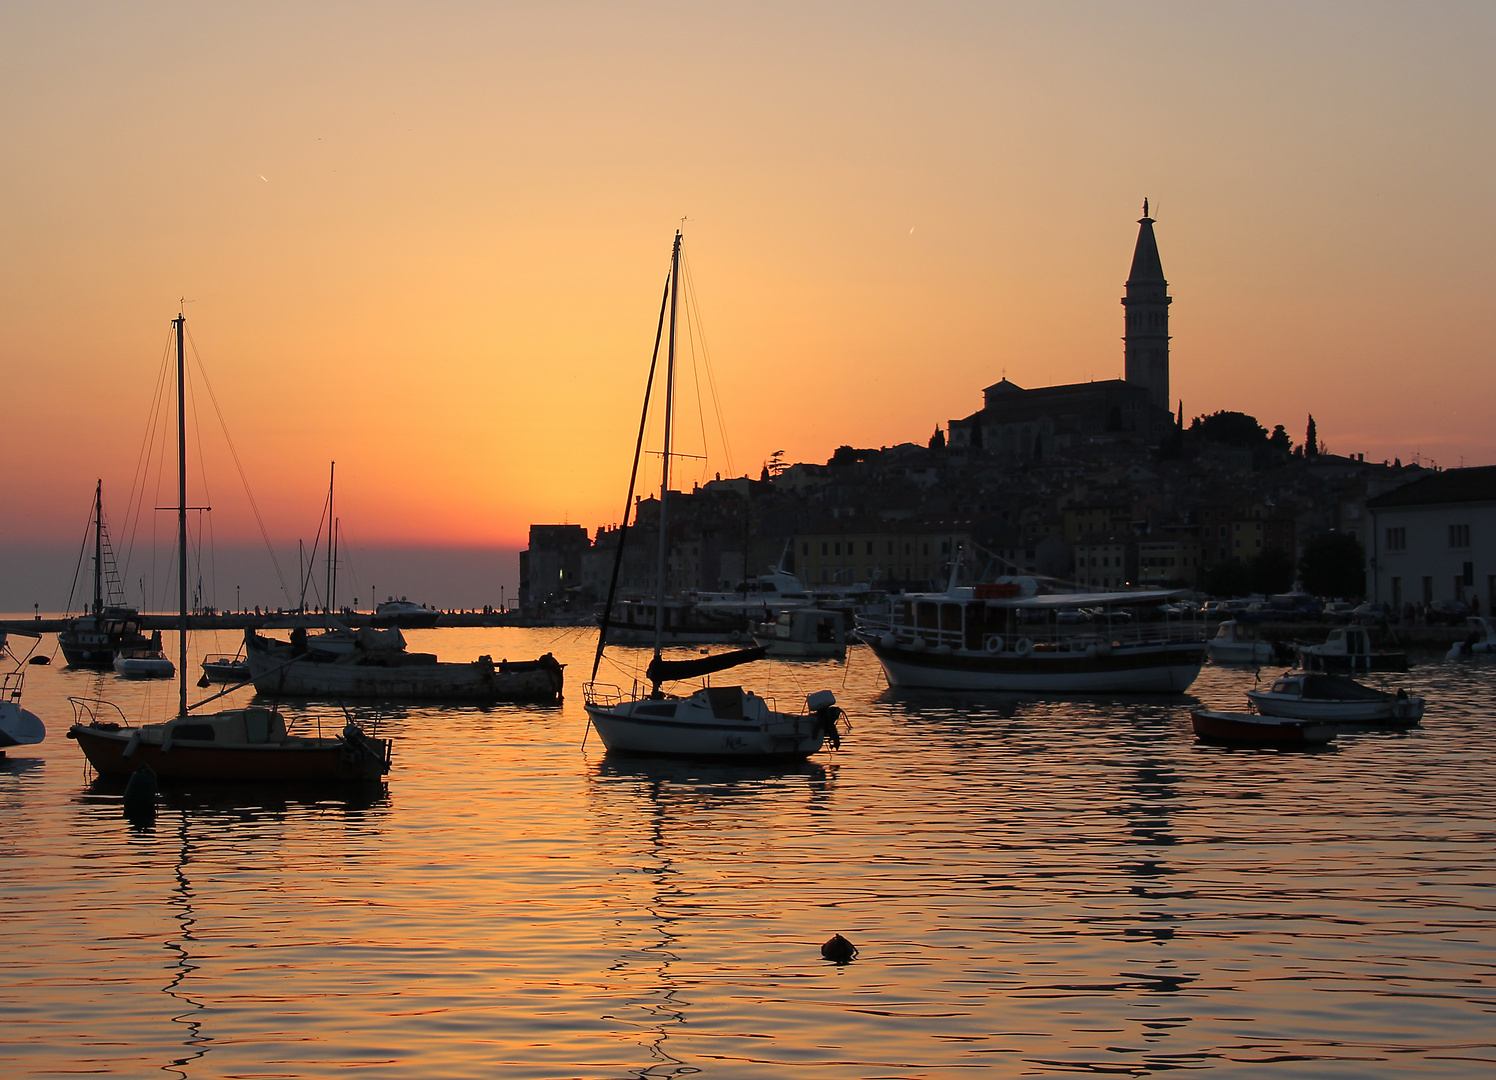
[40, 661]
[140, 791]
[839, 950]
[204, 681]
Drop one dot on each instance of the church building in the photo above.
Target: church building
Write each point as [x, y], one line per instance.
[1031, 425]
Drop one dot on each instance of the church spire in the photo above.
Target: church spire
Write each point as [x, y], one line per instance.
[1146, 337]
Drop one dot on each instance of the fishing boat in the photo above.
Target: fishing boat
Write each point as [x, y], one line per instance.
[235, 745]
[1310, 695]
[148, 662]
[18, 726]
[1256, 730]
[714, 722]
[1348, 648]
[374, 663]
[1236, 642]
[93, 639]
[1006, 635]
[804, 632]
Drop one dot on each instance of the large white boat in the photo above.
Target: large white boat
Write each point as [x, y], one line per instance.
[406, 613]
[1348, 648]
[1005, 635]
[804, 632]
[715, 722]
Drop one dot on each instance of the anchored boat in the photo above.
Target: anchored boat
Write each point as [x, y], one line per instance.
[715, 722]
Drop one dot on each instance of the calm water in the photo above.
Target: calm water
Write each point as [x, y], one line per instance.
[1036, 887]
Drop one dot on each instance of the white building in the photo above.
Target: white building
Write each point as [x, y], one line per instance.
[1435, 539]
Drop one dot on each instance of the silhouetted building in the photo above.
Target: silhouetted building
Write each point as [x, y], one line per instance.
[1032, 425]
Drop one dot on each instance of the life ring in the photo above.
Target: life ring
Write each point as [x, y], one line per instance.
[994, 643]
[1024, 646]
[736, 635]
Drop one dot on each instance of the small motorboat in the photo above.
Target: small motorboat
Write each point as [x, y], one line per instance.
[226, 668]
[1257, 730]
[1238, 643]
[1481, 640]
[1312, 695]
[804, 632]
[149, 662]
[1348, 648]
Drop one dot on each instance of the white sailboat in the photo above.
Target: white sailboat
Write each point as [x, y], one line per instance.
[714, 722]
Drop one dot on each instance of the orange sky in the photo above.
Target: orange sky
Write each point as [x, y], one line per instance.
[428, 241]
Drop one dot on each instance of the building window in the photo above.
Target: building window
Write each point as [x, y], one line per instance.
[1469, 574]
[825, 550]
[804, 549]
[1428, 590]
[838, 547]
[1397, 539]
[1459, 536]
[869, 547]
[1397, 594]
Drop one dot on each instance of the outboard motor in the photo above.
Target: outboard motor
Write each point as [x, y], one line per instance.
[823, 704]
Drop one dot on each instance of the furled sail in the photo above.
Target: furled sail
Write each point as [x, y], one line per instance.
[669, 670]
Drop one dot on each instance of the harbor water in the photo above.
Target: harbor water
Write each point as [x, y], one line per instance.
[1035, 887]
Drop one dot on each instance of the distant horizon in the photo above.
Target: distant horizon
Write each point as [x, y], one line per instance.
[467, 576]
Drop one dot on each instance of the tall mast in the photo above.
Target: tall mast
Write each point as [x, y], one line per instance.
[332, 543]
[665, 469]
[98, 601]
[180, 322]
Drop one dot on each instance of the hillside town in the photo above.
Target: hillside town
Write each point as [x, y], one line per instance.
[1098, 484]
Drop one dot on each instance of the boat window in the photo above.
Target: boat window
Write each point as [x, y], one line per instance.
[926, 616]
[652, 709]
[200, 732]
[950, 617]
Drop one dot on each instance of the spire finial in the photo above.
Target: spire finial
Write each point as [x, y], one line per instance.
[1145, 207]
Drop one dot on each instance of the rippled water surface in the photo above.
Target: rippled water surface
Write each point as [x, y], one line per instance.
[1035, 887]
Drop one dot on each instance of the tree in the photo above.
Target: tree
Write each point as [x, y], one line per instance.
[1279, 440]
[937, 440]
[775, 464]
[1232, 429]
[1311, 439]
[1270, 571]
[1334, 564]
[1229, 577]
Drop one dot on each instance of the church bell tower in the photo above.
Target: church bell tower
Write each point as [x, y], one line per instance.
[1146, 340]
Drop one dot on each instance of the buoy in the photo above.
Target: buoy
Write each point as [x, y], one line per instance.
[839, 950]
[140, 791]
[204, 681]
[40, 661]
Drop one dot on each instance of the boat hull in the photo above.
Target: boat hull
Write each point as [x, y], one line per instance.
[1156, 669]
[131, 667]
[298, 761]
[1250, 728]
[19, 727]
[1392, 710]
[1241, 652]
[482, 680]
[714, 724]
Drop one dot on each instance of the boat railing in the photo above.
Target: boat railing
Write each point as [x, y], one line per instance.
[97, 711]
[603, 695]
[12, 688]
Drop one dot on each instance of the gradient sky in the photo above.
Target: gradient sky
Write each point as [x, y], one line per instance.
[428, 240]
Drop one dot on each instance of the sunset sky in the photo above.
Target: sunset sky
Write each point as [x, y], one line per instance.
[428, 241]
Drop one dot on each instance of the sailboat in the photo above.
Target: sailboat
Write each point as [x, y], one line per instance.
[250, 744]
[715, 722]
[94, 639]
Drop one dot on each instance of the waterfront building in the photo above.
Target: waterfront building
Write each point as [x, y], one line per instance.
[1435, 539]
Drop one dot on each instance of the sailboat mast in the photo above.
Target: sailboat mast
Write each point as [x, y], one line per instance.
[332, 543]
[180, 322]
[665, 467]
[98, 599]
